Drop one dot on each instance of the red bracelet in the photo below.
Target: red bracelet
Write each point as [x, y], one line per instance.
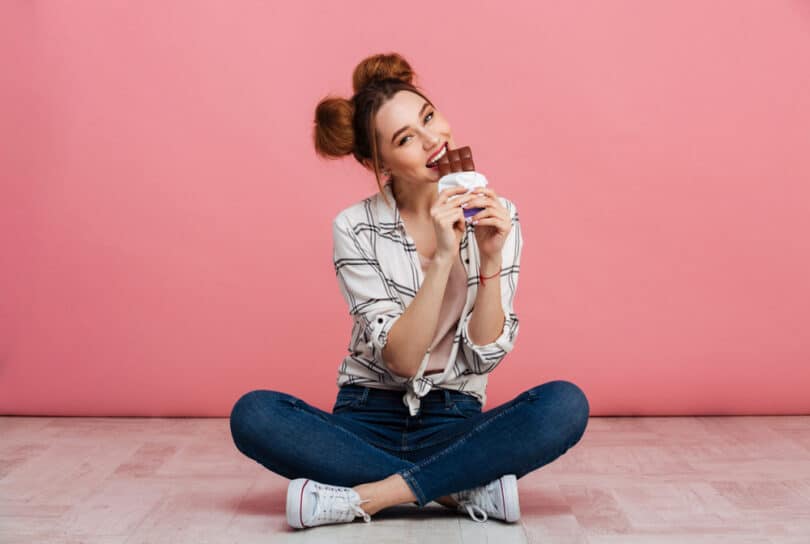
[481, 277]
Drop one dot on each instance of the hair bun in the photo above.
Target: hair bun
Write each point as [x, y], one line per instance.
[380, 67]
[333, 134]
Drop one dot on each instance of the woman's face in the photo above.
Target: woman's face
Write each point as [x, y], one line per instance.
[411, 132]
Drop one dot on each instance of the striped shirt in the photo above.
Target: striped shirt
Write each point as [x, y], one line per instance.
[379, 273]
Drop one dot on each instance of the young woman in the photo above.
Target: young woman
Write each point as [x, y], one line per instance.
[431, 296]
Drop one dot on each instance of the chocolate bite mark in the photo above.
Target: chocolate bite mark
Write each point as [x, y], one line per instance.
[456, 160]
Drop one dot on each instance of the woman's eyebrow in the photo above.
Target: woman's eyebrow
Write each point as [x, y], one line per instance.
[406, 127]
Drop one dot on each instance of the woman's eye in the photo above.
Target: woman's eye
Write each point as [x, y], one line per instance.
[402, 141]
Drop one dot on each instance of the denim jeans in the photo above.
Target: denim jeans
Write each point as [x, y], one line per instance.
[449, 446]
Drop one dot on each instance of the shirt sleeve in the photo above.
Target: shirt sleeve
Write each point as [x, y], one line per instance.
[372, 301]
[484, 358]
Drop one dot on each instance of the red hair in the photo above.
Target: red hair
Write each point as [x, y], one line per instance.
[344, 126]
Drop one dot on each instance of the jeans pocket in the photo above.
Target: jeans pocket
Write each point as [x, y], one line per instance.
[346, 400]
[466, 407]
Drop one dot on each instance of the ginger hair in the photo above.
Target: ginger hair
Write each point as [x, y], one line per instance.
[346, 126]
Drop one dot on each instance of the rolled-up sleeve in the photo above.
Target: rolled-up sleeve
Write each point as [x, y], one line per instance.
[484, 358]
[372, 302]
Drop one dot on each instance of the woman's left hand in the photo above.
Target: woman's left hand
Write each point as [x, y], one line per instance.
[493, 222]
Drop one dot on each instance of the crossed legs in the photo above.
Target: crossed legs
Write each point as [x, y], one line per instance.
[295, 440]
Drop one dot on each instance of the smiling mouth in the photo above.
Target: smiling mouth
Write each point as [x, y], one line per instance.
[442, 153]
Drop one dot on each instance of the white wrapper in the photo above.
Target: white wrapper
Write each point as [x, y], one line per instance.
[470, 180]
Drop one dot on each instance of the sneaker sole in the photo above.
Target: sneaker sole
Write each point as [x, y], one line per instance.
[295, 496]
[511, 501]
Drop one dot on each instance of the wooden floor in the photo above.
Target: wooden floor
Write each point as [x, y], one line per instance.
[630, 480]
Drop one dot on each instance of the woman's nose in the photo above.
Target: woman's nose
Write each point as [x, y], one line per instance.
[432, 141]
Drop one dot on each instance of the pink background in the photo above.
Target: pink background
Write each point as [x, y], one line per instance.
[165, 225]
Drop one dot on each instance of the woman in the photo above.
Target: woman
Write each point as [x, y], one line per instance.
[431, 295]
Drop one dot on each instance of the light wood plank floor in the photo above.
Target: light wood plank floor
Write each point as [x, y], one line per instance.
[630, 480]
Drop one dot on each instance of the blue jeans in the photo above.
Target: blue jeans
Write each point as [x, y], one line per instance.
[449, 446]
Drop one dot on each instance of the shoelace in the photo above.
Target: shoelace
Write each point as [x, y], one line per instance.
[472, 508]
[469, 499]
[338, 504]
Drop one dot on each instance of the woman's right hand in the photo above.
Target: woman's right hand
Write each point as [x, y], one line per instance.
[448, 221]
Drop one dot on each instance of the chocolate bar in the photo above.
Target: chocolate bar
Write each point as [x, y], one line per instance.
[456, 160]
[460, 160]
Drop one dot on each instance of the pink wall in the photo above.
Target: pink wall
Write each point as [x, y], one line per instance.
[165, 223]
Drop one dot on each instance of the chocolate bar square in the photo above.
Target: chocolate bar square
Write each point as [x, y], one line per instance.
[456, 160]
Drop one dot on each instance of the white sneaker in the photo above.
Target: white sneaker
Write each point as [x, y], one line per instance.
[311, 503]
[497, 499]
